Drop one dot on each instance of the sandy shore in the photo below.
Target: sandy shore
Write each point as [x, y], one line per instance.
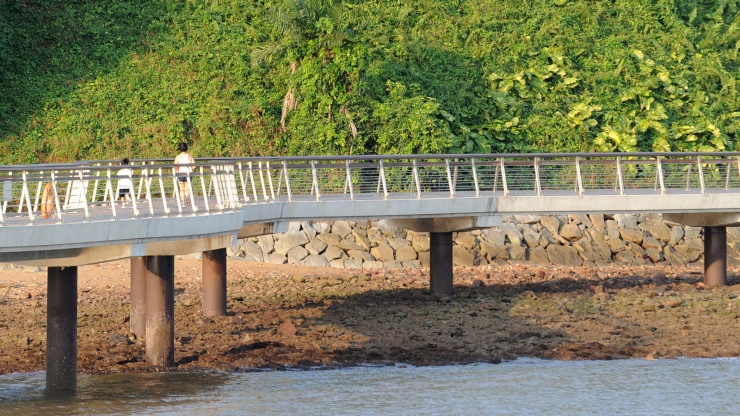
[303, 317]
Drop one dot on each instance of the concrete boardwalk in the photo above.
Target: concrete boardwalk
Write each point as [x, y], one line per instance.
[61, 216]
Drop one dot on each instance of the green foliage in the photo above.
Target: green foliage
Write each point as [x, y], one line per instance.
[106, 79]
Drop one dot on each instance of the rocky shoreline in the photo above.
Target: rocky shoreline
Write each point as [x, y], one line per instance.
[296, 316]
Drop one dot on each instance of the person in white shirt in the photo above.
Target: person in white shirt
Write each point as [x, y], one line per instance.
[184, 158]
[124, 182]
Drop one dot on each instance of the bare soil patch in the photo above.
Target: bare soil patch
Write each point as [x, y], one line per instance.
[282, 316]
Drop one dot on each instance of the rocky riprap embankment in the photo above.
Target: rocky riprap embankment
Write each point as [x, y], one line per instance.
[572, 240]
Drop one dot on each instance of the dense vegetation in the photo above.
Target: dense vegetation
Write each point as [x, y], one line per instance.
[89, 79]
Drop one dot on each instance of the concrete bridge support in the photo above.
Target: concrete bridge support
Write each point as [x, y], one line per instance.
[715, 256]
[160, 310]
[138, 296]
[61, 329]
[214, 282]
[440, 263]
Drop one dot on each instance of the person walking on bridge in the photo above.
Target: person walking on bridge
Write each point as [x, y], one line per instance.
[184, 158]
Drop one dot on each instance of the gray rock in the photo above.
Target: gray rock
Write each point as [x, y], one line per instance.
[423, 259]
[330, 239]
[462, 257]
[289, 240]
[676, 235]
[267, 243]
[551, 223]
[513, 233]
[383, 253]
[296, 254]
[392, 264]
[342, 228]
[564, 255]
[411, 264]
[308, 229]
[651, 242]
[660, 231]
[316, 246]
[495, 236]
[580, 219]
[631, 235]
[396, 242]
[347, 245]
[353, 263]
[612, 229]
[253, 250]
[420, 242]
[538, 255]
[673, 257]
[360, 254]
[372, 265]
[466, 240]
[626, 221]
[570, 232]
[654, 254]
[276, 258]
[517, 253]
[322, 227]
[333, 253]
[315, 260]
[597, 220]
[526, 219]
[406, 253]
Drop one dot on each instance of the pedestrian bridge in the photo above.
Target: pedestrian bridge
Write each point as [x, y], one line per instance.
[66, 215]
[231, 198]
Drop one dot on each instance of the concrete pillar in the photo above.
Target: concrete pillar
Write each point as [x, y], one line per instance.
[715, 256]
[61, 329]
[440, 263]
[214, 282]
[138, 296]
[160, 310]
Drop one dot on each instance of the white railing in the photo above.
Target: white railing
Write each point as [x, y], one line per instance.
[87, 191]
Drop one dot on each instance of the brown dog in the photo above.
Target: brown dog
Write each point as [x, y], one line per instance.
[47, 201]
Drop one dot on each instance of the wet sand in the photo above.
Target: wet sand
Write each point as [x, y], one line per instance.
[283, 316]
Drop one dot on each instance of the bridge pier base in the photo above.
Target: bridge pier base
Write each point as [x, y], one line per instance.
[138, 296]
[440, 263]
[715, 256]
[61, 329]
[214, 282]
[160, 310]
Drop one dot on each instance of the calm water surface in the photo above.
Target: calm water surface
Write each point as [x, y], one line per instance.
[521, 387]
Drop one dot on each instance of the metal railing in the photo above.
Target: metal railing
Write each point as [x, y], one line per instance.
[87, 191]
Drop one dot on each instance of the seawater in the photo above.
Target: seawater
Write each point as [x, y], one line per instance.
[522, 387]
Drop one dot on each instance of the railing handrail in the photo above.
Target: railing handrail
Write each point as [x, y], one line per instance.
[234, 181]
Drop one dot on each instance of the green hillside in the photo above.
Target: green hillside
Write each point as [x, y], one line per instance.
[84, 79]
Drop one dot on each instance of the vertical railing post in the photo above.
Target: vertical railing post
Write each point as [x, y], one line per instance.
[254, 186]
[701, 174]
[241, 180]
[382, 180]
[83, 191]
[579, 178]
[659, 164]
[287, 181]
[349, 180]
[269, 180]
[315, 180]
[503, 177]
[415, 170]
[475, 177]
[162, 191]
[203, 188]
[449, 178]
[620, 179]
[537, 185]
[262, 181]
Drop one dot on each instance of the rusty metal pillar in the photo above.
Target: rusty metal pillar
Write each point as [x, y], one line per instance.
[160, 310]
[715, 256]
[138, 296]
[440, 263]
[214, 282]
[61, 329]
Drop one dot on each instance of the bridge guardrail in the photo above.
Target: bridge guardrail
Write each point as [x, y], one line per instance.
[87, 191]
